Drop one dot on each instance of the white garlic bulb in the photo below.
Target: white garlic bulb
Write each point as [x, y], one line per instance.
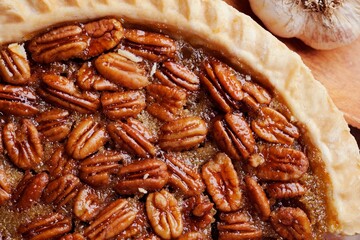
[321, 24]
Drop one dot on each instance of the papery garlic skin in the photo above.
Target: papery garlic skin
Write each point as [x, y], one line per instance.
[289, 18]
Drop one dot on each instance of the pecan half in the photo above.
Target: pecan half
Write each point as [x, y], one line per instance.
[282, 164]
[175, 75]
[221, 82]
[86, 138]
[234, 136]
[97, 169]
[285, 190]
[237, 225]
[192, 236]
[62, 92]
[273, 127]
[73, 236]
[29, 189]
[123, 104]
[258, 197]
[169, 102]
[60, 163]
[222, 183]
[121, 70]
[182, 134]
[14, 66]
[23, 144]
[112, 220]
[88, 79]
[54, 124]
[86, 204]
[183, 177]
[132, 136]
[5, 188]
[291, 223]
[149, 175]
[18, 101]
[61, 190]
[153, 46]
[164, 214]
[76, 41]
[46, 227]
[201, 211]
[255, 96]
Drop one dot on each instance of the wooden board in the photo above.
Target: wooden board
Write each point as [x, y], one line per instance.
[338, 70]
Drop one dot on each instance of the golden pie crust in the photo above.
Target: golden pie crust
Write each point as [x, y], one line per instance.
[215, 25]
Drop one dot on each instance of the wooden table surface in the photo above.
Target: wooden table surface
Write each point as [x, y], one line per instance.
[338, 70]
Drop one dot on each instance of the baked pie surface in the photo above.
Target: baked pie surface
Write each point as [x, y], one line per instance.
[239, 42]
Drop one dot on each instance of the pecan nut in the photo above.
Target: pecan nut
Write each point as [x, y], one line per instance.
[29, 189]
[255, 96]
[132, 137]
[61, 190]
[221, 82]
[23, 144]
[282, 164]
[164, 214]
[222, 183]
[152, 46]
[60, 164]
[112, 220]
[234, 136]
[88, 79]
[175, 75]
[73, 236]
[86, 204]
[183, 177]
[258, 197]
[18, 101]
[285, 190]
[54, 124]
[96, 170]
[291, 223]
[123, 104]
[47, 227]
[121, 71]
[14, 66]
[273, 127]
[182, 134]
[86, 138]
[168, 103]
[146, 175]
[5, 188]
[62, 92]
[76, 41]
[199, 212]
[237, 225]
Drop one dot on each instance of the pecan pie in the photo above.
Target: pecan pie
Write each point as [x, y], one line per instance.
[126, 119]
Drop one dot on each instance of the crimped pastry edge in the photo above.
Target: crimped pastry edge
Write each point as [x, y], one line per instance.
[218, 26]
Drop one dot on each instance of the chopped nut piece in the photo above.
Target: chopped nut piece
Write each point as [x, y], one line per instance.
[23, 144]
[112, 220]
[285, 190]
[201, 211]
[87, 204]
[153, 46]
[88, 79]
[291, 223]
[222, 183]
[221, 82]
[237, 225]
[234, 136]
[164, 214]
[258, 197]
[5, 188]
[192, 236]
[86, 138]
[125, 104]
[132, 177]
[183, 134]
[97, 169]
[273, 127]
[121, 70]
[175, 75]
[47, 227]
[30, 189]
[54, 124]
